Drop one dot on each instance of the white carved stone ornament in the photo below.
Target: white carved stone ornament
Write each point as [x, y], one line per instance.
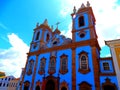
[88, 4]
[45, 22]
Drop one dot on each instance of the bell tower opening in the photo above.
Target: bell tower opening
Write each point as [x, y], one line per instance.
[37, 36]
[50, 85]
[47, 37]
[81, 21]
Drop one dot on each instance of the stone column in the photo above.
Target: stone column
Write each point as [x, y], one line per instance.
[95, 68]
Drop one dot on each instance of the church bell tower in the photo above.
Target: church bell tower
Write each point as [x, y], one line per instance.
[84, 33]
[42, 35]
[83, 27]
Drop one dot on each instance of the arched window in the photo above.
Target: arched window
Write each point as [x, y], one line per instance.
[26, 85]
[63, 64]
[9, 79]
[83, 63]
[47, 37]
[4, 85]
[84, 86]
[106, 66]
[81, 21]
[42, 66]
[7, 84]
[30, 67]
[37, 36]
[52, 64]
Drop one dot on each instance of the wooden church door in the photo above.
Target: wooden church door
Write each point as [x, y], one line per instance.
[50, 85]
[108, 87]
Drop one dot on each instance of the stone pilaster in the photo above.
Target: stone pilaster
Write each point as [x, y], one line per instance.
[96, 68]
[73, 69]
[34, 73]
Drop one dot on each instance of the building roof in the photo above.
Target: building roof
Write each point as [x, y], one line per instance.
[2, 74]
[113, 42]
[6, 76]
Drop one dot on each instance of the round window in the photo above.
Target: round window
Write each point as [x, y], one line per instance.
[82, 35]
[55, 42]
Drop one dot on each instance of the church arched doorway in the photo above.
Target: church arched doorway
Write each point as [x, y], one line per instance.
[37, 87]
[26, 85]
[63, 88]
[50, 85]
[108, 87]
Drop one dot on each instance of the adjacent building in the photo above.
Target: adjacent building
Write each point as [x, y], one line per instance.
[55, 62]
[4, 82]
[13, 84]
[115, 51]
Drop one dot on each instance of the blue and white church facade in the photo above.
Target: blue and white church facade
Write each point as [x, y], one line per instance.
[55, 62]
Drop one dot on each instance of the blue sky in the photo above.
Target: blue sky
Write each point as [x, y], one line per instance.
[18, 18]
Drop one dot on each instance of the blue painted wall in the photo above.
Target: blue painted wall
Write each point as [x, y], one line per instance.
[89, 77]
[38, 76]
[87, 36]
[66, 77]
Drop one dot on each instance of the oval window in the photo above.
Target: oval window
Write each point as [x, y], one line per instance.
[82, 35]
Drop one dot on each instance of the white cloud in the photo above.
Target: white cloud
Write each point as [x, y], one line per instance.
[64, 11]
[107, 16]
[14, 58]
[67, 33]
